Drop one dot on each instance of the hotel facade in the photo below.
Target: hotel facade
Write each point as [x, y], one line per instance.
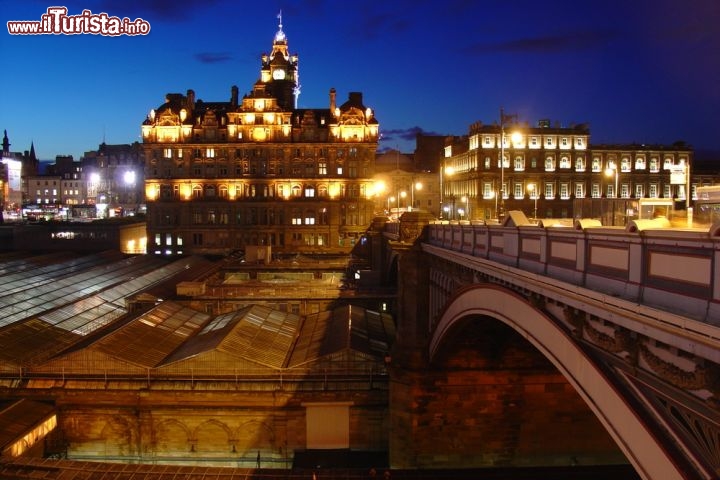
[549, 171]
[257, 170]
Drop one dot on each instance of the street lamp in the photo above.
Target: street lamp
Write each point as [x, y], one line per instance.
[403, 194]
[415, 186]
[503, 119]
[444, 171]
[533, 193]
[390, 199]
[612, 170]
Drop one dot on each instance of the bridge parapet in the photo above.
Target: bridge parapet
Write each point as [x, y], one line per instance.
[674, 270]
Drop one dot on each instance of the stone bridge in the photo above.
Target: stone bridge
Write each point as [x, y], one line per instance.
[521, 344]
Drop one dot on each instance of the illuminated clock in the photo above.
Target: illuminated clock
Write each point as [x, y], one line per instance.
[278, 74]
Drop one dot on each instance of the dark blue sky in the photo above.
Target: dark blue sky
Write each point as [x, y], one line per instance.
[645, 71]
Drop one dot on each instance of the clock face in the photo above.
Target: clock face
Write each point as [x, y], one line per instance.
[278, 74]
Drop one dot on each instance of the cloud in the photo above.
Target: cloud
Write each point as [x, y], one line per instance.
[155, 10]
[405, 134]
[213, 57]
[548, 44]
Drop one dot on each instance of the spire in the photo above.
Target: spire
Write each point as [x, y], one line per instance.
[6, 143]
[32, 151]
[280, 35]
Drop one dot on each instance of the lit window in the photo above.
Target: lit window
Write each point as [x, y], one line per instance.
[580, 190]
[549, 164]
[549, 191]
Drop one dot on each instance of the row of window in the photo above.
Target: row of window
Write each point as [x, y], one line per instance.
[169, 243]
[654, 165]
[297, 153]
[566, 190]
[264, 216]
[246, 191]
[534, 141]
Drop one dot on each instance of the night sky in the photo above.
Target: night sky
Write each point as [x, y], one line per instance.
[640, 71]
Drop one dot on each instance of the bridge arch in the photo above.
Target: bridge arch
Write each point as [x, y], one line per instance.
[632, 436]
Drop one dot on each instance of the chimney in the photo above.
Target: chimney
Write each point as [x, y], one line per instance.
[332, 101]
[234, 96]
[191, 100]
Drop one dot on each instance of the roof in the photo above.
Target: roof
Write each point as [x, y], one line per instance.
[257, 333]
[19, 417]
[150, 338]
[50, 302]
[348, 328]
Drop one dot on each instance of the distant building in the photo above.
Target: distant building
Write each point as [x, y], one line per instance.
[257, 170]
[114, 176]
[545, 169]
[15, 168]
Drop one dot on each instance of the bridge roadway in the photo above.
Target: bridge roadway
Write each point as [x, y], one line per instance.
[630, 317]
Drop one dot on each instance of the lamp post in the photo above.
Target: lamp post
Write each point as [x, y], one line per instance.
[415, 186]
[467, 205]
[533, 192]
[612, 170]
[444, 171]
[503, 119]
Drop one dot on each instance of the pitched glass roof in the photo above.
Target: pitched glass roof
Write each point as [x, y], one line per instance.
[45, 318]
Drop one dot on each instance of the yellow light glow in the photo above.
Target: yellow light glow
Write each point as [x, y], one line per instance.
[34, 436]
[151, 191]
[249, 118]
[449, 171]
[333, 190]
[186, 191]
[516, 137]
[259, 134]
[269, 118]
[418, 186]
[379, 187]
[232, 192]
[286, 130]
[146, 129]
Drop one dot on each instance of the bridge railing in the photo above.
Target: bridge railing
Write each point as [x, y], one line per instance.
[672, 269]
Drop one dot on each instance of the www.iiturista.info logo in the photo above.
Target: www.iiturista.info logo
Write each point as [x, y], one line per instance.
[57, 22]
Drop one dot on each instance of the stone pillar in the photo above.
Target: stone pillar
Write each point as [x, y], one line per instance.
[409, 355]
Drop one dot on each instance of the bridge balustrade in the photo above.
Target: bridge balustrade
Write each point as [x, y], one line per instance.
[672, 269]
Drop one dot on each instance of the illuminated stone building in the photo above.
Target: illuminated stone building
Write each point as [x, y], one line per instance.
[546, 168]
[257, 170]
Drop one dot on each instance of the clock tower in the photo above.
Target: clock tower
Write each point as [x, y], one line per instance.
[280, 71]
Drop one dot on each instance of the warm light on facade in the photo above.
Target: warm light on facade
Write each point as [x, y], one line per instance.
[259, 134]
[34, 436]
[151, 191]
[186, 191]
